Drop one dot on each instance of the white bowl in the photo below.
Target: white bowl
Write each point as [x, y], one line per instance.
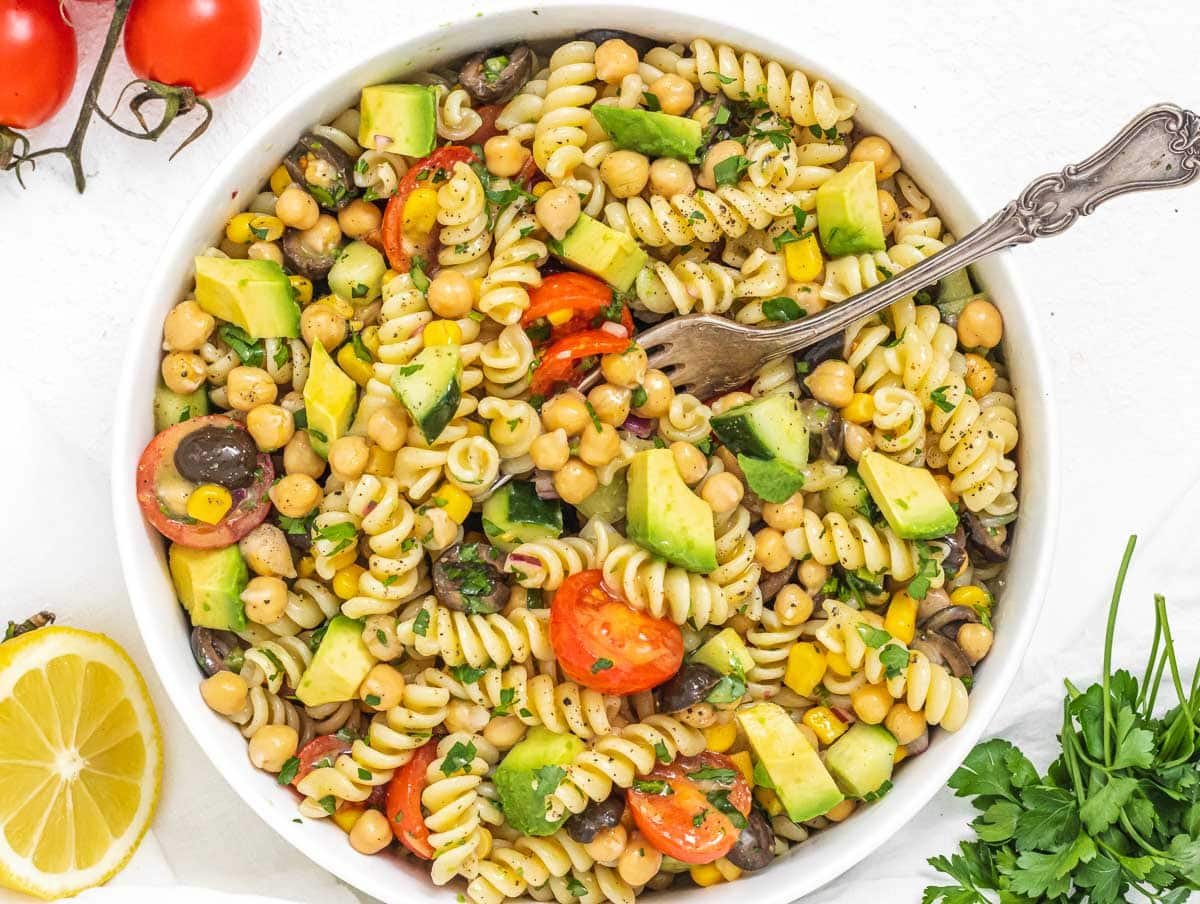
[160, 618]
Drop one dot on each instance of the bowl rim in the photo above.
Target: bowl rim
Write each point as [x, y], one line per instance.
[142, 562]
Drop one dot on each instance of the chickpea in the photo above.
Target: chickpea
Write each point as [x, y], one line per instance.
[249, 387]
[187, 327]
[669, 177]
[730, 400]
[698, 715]
[607, 845]
[371, 833]
[321, 323]
[504, 155]
[550, 451]
[348, 456]
[832, 382]
[323, 236]
[690, 461]
[842, 811]
[297, 208]
[793, 605]
[675, 93]
[625, 173]
[871, 703]
[722, 492]
[296, 495]
[981, 375]
[271, 426]
[611, 403]
[566, 411]
[598, 447]
[812, 575]
[183, 372]
[575, 481]
[383, 687]
[770, 550]
[786, 515]
[299, 457]
[906, 725]
[980, 325]
[450, 295]
[856, 440]
[719, 152]
[504, 732]
[615, 59]
[975, 640]
[873, 148]
[266, 551]
[462, 715]
[359, 219]
[224, 692]
[557, 210]
[266, 599]
[639, 862]
[388, 428]
[627, 368]
[265, 251]
[659, 394]
[272, 746]
[945, 485]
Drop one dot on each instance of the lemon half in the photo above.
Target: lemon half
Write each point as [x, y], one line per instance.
[80, 761]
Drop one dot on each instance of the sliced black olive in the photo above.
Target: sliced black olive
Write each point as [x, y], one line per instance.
[947, 621]
[944, 651]
[824, 430]
[755, 845]
[598, 36]
[690, 686]
[956, 551]
[299, 537]
[493, 76]
[936, 599]
[830, 347]
[583, 827]
[337, 188]
[990, 543]
[226, 456]
[772, 582]
[469, 577]
[303, 260]
[211, 649]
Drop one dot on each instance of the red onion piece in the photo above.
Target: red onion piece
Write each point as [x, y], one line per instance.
[641, 427]
[615, 329]
[543, 485]
[381, 141]
[522, 559]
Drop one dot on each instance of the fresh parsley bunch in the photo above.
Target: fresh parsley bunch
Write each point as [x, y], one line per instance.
[1118, 811]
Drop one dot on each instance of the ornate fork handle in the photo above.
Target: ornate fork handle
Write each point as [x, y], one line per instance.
[1160, 148]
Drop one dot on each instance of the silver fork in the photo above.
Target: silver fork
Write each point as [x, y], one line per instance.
[705, 354]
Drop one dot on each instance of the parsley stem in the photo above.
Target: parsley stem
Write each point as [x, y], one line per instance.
[1142, 842]
[1160, 608]
[1070, 753]
[1143, 693]
[1108, 646]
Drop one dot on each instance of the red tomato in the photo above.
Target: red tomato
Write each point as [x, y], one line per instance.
[558, 362]
[404, 802]
[207, 45]
[488, 129]
[38, 55]
[401, 251]
[322, 747]
[585, 296]
[676, 813]
[157, 466]
[603, 644]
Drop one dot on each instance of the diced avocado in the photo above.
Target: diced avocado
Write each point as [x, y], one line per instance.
[802, 783]
[861, 760]
[651, 133]
[771, 427]
[209, 584]
[430, 386]
[951, 309]
[725, 653]
[848, 211]
[531, 771]
[848, 497]
[357, 274]
[329, 400]
[667, 518]
[909, 497]
[339, 665]
[953, 290]
[398, 119]
[172, 408]
[515, 514]
[601, 251]
[253, 294]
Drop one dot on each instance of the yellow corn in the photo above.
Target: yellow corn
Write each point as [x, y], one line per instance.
[901, 620]
[346, 816]
[838, 665]
[388, 275]
[454, 501]
[769, 801]
[825, 724]
[900, 754]
[972, 595]
[541, 188]
[381, 462]
[302, 288]
[861, 408]
[345, 582]
[804, 259]
[339, 305]
[475, 429]
[420, 214]
[727, 870]
[745, 765]
[356, 368]
[442, 332]
[254, 227]
[558, 318]
[805, 668]
[209, 503]
[720, 737]
[306, 567]
[370, 338]
[280, 179]
[706, 874]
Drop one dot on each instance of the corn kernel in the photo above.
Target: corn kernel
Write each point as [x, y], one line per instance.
[253, 227]
[720, 737]
[280, 179]
[804, 261]
[381, 462]
[442, 332]
[861, 408]
[346, 816]
[209, 503]
[805, 668]
[900, 754]
[307, 567]
[541, 188]
[901, 620]
[302, 288]
[706, 874]
[339, 305]
[745, 765]
[972, 595]
[558, 318]
[456, 503]
[825, 724]
[768, 800]
[420, 214]
[370, 338]
[345, 582]
[356, 368]
[474, 428]
[388, 275]
[476, 287]
[838, 665]
[727, 870]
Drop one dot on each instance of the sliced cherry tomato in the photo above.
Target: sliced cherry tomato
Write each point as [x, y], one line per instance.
[678, 807]
[156, 472]
[589, 300]
[401, 249]
[603, 644]
[488, 129]
[323, 750]
[558, 363]
[404, 802]
[528, 173]
[38, 57]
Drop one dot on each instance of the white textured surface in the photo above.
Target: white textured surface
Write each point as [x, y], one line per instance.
[1005, 92]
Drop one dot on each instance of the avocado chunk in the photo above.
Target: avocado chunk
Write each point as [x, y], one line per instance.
[954, 290]
[653, 134]
[848, 497]
[357, 274]
[848, 211]
[725, 652]
[339, 665]
[770, 427]
[664, 516]
[515, 514]
[802, 783]
[909, 498]
[529, 773]
[329, 400]
[862, 759]
[607, 502]
[252, 294]
[209, 584]
[398, 119]
[601, 251]
[430, 386]
[172, 408]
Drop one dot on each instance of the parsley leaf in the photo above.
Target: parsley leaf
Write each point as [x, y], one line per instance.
[894, 658]
[459, 758]
[601, 665]
[782, 309]
[729, 170]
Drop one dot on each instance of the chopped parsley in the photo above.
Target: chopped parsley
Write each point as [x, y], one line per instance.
[248, 350]
[342, 533]
[873, 637]
[601, 665]
[638, 399]
[652, 102]
[421, 622]
[713, 774]
[290, 767]
[328, 804]
[459, 758]
[938, 397]
[782, 309]
[507, 695]
[652, 786]
[465, 674]
[720, 800]
[660, 751]
[729, 170]
[894, 658]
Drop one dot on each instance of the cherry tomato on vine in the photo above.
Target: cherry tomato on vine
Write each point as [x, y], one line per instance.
[206, 45]
[38, 58]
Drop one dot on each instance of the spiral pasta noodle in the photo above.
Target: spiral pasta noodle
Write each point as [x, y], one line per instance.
[852, 543]
[513, 425]
[561, 130]
[737, 572]
[544, 564]
[665, 591]
[769, 644]
[456, 809]
[274, 662]
[396, 569]
[472, 465]
[686, 287]
[430, 629]
[504, 294]
[462, 211]
[686, 420]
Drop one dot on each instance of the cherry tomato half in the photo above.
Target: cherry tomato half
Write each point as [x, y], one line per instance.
[207, 45]
[404, 802]
[156, 474]
[682, 808]
[603, 644]
[402, 249]
[38, 57]
[323, 749]
[589, 300]
[488, 128]
[559, 362]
